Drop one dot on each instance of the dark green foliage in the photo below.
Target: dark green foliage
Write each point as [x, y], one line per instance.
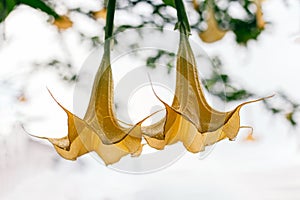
[6, 6]
[288, 107]
[170, 3]
[245, 30]
[40, 5]
[167, 58]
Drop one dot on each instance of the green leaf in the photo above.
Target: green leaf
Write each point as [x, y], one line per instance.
[6, 6]
[39, 4]
[245, 30]
[169, 3]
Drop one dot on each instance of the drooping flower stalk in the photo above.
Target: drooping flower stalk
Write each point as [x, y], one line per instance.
[182, 24]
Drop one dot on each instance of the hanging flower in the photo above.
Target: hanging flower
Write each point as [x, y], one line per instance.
[99, 131]
[189, 119]
[213, 32]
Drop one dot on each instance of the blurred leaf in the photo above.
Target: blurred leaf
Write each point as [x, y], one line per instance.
[6, 6]
[288, 108]
[245, 30]
[164, 57]
[170, 3]
[41, 5]
[290, 118]
[95, 41]
[236, 95]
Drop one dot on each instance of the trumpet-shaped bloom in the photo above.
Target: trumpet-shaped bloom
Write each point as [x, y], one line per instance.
[189, 119]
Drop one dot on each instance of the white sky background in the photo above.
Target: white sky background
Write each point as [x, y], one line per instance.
[267, 169]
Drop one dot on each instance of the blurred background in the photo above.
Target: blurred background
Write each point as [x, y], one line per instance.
[254, 45]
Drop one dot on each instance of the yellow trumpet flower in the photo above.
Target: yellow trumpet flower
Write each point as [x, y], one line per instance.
[213, 33]
[189, 119]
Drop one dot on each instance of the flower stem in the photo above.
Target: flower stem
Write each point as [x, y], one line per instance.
[183, 22]
[109, 25]
[111, 6]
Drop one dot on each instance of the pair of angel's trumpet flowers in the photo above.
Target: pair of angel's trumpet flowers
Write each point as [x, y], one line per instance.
[189, 119]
